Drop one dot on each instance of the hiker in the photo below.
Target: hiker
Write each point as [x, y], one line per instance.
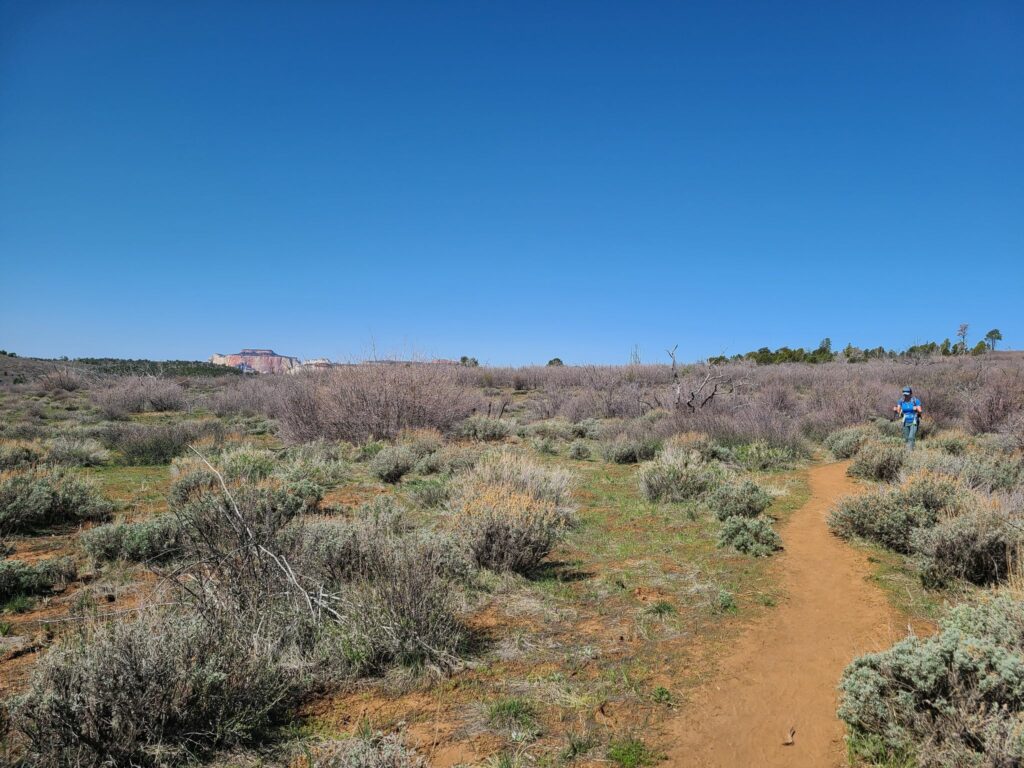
[908, 410]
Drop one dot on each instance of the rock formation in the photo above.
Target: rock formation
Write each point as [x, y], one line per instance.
[259, 360]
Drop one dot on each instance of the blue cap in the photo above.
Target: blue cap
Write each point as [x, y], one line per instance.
[908, 391]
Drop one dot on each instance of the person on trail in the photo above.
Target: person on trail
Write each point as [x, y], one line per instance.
[908, 411]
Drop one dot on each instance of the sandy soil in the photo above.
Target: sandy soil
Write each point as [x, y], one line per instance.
[783, 671]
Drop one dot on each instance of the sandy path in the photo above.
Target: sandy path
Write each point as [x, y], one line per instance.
[783, 671]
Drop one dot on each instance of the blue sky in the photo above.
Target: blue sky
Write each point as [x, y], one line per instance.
[512, 181]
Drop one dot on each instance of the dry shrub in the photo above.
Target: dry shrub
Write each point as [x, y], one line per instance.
[375, 751]
[76, 452]
[20, 455]
[62, 380]
[512, 512]
[485, 428]
[978, 546]
[155, 690]
[377, 400]
[507, 469]
[141, 444]
[508, 530]
[137, 394]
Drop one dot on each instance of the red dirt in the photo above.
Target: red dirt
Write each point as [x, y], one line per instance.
[783, 671]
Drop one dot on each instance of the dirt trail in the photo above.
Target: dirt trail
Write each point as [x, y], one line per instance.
[783, 671]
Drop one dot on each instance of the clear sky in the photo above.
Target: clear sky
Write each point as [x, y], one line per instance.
[512, 181]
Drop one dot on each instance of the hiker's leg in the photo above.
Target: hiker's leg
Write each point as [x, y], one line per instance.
[911, 436]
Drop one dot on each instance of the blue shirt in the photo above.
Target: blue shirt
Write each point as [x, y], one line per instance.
[907, 410]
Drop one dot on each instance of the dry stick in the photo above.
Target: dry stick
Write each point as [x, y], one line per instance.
[280, 562]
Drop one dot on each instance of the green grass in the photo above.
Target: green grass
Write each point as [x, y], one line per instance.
[631, 752]
[515, 715]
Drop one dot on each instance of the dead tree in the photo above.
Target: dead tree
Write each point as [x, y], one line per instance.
[700, 395]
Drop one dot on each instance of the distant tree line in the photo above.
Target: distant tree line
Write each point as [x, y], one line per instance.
[825, 354]
[118, 366]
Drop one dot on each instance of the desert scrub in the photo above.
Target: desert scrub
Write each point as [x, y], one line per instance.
[39, 498]
[18, 578]
[511, 470]
[844, 443]
[760, 455]
[393, 463]
[516, 716]
[678, 476]
[485, 428]
[751, 536]
[984, 472]
[20, 455]
[627, 450]
[979, 546]
[879, 517]
[136, 394]
[429, 493]
[400, 610]
[76, 452]
[370, 751]
[506, 530]
[156, 540]
[953, 699]
[154, 690]
[877, 460]
[142, 444]
[890, 516]
[745, 499]
[579, 450]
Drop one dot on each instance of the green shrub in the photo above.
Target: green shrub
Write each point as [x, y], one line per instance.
[876, 460]
[151, 541]
[953, 443]
[745, 499]
[762, 456]
[393, 463]
[626, 450]
[880, 517]
[678, 476]
[844, 443]
[18, 578]
[485, 428]
[983, 472]
[545, 446]
[751, 536]
[586, 429]
[19, 455]
[579, 450]
[246, 463]
[76, 452]
[429, 494]
[40, 498]
[953, 699]
[321, 462]
[979, 546]
[155, 690]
